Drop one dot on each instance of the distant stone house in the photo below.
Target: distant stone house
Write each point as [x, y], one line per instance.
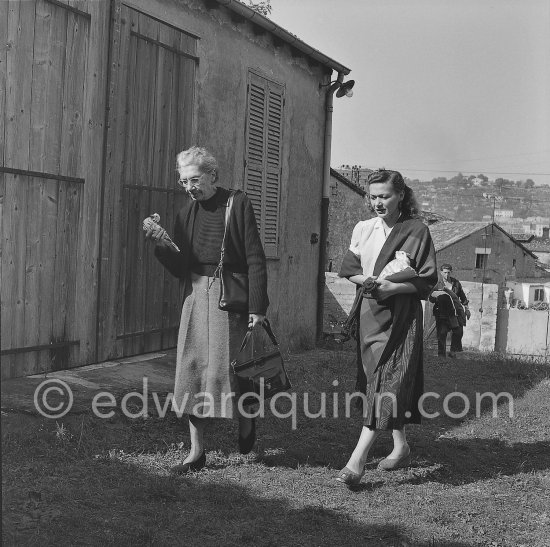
[348, 205]
[482, 252]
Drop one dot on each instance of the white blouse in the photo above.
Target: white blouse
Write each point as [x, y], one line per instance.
[367, 240]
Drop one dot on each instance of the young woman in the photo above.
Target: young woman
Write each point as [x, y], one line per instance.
[390, 320]
[210, 338]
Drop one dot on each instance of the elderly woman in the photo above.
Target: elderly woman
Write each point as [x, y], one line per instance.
[389, 316]
[210, 338]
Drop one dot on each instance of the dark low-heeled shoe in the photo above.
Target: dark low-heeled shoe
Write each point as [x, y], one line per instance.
[189, 467]
[246, 443]
[349, 478]
[389, 464]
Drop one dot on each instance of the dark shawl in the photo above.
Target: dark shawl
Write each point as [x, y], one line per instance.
[244, 252]
[390, 333]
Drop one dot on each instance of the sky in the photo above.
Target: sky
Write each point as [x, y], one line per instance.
[442, 86]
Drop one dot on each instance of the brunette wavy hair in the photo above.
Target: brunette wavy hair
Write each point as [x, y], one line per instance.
[409, 205]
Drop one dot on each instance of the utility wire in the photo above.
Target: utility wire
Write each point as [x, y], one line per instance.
[480, 171]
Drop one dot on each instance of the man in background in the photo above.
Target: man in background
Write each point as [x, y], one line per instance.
[450, 311]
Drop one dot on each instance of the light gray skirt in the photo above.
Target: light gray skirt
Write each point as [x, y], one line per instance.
[208, 340]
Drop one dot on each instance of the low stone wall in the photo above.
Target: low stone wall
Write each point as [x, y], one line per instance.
[523, 332]
[479, 333]
[480, 330]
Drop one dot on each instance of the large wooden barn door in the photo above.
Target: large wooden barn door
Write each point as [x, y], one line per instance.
[150, 120]
[44, 182]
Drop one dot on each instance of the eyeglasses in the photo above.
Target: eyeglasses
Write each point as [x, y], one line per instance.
[193, 181]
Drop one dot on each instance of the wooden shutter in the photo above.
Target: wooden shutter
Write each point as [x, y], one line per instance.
[263, 156]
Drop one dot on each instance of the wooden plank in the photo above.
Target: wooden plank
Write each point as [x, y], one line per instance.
[51, 193]
[4, 17]
[91, 159]
[13, 268]
[115, 172]
[134, 297]
[19, 63]
[166, 153]
[68, 222]
[73, 94]
[127, 321]
[7, 276]
[40, 174]
[46, 120]
[63, 325]
[124, 284]
[143, 109]
[45, 13]
[187, 91]
[70, 6]
[154, 279]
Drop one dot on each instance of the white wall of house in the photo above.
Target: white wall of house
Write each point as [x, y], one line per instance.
[527, 292]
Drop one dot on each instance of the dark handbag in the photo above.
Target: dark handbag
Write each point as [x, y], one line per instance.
[263, 374]
[233, 285]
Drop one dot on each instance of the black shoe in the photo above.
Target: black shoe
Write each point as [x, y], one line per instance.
[189, 467]
[246, 443]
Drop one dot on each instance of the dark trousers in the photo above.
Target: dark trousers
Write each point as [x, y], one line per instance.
[443, 327]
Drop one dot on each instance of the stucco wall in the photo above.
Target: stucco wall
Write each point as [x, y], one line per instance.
[524, 332]
[339, 296]
[227, 49]
[346, 209]
[462, 256]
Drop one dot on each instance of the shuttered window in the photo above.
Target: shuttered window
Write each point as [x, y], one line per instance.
[264, 124]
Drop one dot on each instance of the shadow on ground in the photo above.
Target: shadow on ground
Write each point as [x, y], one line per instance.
[108, 502]
[447, 448]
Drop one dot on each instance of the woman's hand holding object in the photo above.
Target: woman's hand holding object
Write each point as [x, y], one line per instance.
[384, 289]
[255, 319]
[154, 231]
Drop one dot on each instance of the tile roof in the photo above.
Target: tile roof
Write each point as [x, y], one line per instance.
[524, 238]
[542, 245]
[445, 234]
[428, 217]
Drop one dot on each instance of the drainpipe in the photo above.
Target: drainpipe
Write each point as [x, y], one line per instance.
[325, 203]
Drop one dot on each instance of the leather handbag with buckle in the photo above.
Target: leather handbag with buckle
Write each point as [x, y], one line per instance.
[264, 374]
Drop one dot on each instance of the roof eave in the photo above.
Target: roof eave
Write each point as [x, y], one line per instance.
[283, 34]
[518, 243]
[347, 182]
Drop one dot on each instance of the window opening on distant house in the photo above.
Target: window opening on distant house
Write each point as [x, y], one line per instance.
[482, 254]
[481, 260]
[539, 295]
[513, 262]
[263, 156]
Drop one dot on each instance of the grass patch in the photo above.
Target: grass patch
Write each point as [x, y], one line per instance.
[475, 480]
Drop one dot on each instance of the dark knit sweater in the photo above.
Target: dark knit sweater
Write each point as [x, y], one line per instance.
[208, 229]
[243, 248]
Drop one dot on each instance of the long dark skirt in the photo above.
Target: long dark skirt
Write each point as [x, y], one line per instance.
[207, 342]
[390, 367]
